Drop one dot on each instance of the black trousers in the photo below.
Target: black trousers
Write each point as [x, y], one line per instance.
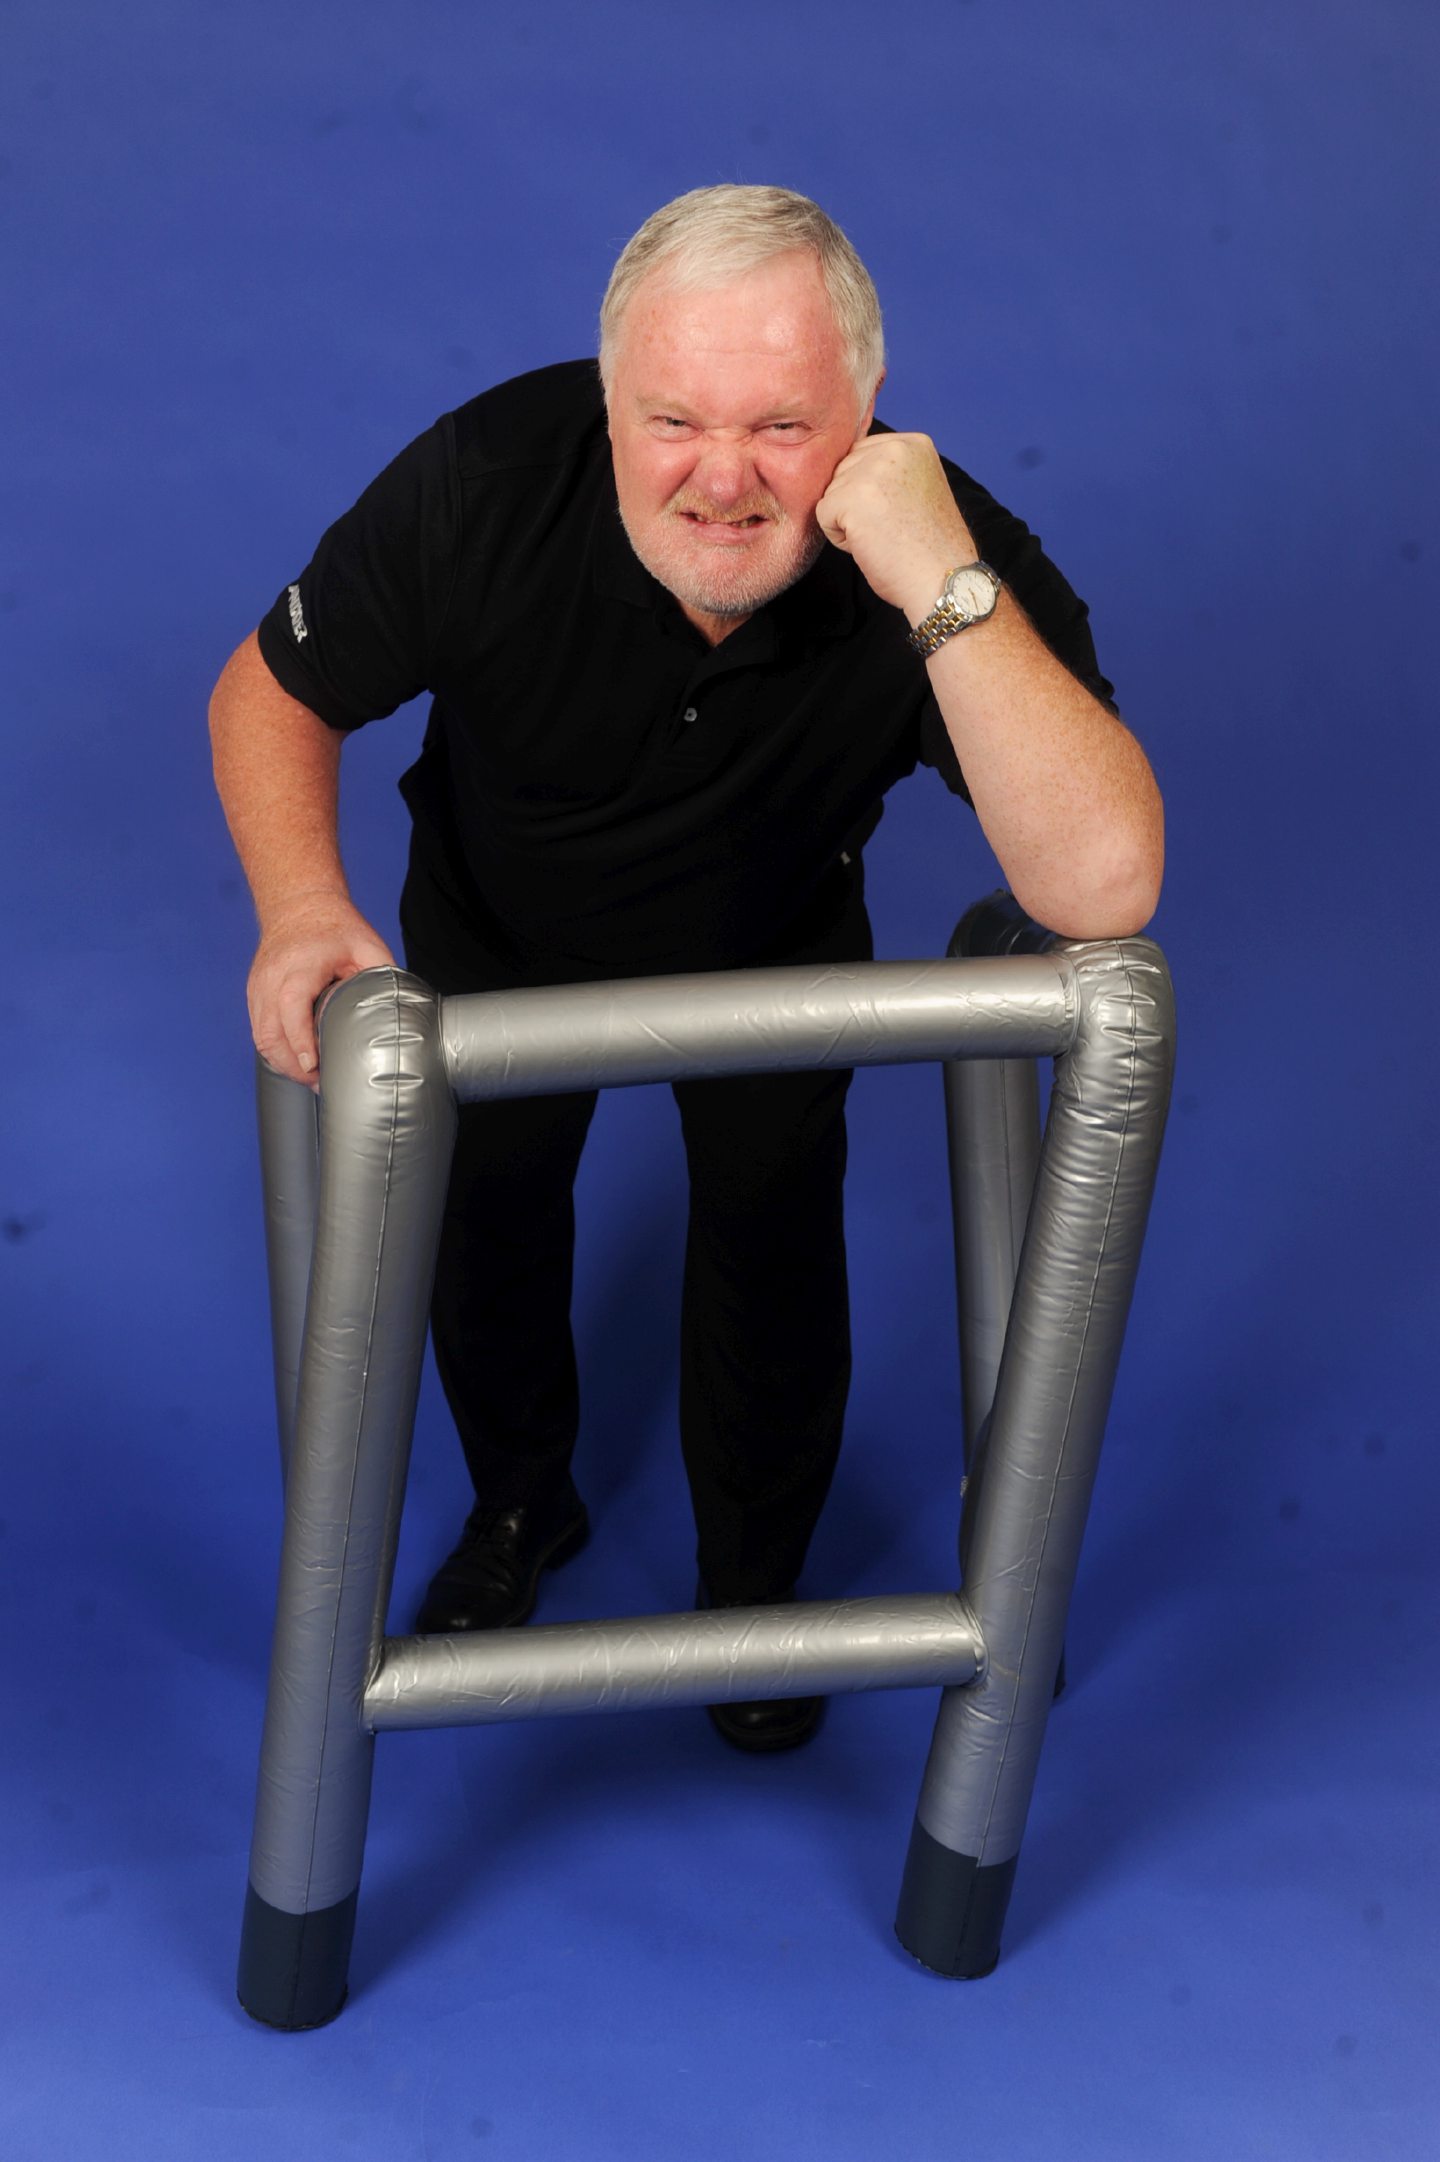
[765, 1333]
[765, 1322]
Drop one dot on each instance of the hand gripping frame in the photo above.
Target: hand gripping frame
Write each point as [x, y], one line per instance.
[1048, 1238]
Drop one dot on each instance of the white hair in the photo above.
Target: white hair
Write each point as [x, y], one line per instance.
[712, 235]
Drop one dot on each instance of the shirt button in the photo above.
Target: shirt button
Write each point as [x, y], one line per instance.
[691, 713]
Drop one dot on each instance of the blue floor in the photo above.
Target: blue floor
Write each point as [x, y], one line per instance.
[1176, 322]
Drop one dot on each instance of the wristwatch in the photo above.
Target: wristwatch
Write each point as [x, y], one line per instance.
[968, 595]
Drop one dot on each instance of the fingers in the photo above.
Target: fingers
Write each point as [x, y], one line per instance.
[829, 513]
[289, 975]
[296, 1006]
[283, 1024]
[890, 508]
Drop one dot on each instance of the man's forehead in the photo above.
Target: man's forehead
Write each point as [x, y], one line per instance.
[768, 390]
[779, 311]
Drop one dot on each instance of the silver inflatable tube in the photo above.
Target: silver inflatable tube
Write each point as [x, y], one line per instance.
[653, 1660]
[386, 1133]
[992, 1132]
[992, 1121]
[290, 1144]
[774, 1020]
[1026, 1519]
[1042, 1320]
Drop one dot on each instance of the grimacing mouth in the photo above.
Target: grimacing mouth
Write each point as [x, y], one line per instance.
[695, 517]
[755, 508]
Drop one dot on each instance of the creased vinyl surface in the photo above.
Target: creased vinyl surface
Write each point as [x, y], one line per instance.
[394, 1059]
[290, 1150]
[993, 1128]
[386, 1132]
[1026, 1512]
[773, 1020]
[669, 1659]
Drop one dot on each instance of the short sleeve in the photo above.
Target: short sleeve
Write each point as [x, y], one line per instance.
[354, 636]
[1056, 610]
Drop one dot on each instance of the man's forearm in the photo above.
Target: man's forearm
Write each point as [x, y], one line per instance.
[277, 768]
[1064, 793]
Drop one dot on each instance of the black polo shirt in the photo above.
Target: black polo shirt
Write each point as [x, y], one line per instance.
[600, 791]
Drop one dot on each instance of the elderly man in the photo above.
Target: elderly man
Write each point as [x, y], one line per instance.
[685, 618]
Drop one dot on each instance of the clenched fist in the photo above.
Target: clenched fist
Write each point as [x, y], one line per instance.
[889, 505]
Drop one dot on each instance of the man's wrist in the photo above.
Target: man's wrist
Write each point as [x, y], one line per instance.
[925, 591]
[968, 597]
[301, 905]
[926, 584]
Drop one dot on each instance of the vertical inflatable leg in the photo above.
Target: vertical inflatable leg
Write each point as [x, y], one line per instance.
[387, 1124]
[992, 1109]
[1067, 1321]
[992, 1119]
[288, 1117]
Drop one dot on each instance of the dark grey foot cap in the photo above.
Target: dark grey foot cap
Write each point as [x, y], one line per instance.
[952, 1911]
[294, 1967]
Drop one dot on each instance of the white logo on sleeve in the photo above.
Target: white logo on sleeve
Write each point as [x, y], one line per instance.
[297, 616]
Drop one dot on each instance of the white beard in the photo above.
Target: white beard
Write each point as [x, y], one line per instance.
[743, 591]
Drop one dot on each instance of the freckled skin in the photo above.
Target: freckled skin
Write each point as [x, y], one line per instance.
[729, 411]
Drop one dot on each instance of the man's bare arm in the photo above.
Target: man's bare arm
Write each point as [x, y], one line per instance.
[277, 767]
[1063, 791]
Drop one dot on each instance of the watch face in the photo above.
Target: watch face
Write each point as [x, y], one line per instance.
[971, 591]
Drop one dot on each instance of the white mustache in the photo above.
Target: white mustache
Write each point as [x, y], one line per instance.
[753, 506]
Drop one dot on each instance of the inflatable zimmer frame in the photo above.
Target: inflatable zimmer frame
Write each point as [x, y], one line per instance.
[1048, 1237]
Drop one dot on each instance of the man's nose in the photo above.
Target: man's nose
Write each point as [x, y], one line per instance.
[725, 472]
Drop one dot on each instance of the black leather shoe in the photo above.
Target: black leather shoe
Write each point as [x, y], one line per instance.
[768, 1726]
[491, 1579]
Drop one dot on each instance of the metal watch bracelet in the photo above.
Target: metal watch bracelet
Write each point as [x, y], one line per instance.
[946, 618]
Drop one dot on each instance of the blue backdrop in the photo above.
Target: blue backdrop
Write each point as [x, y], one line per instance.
[1162, 281]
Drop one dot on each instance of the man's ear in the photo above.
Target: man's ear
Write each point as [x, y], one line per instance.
[869, 413]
